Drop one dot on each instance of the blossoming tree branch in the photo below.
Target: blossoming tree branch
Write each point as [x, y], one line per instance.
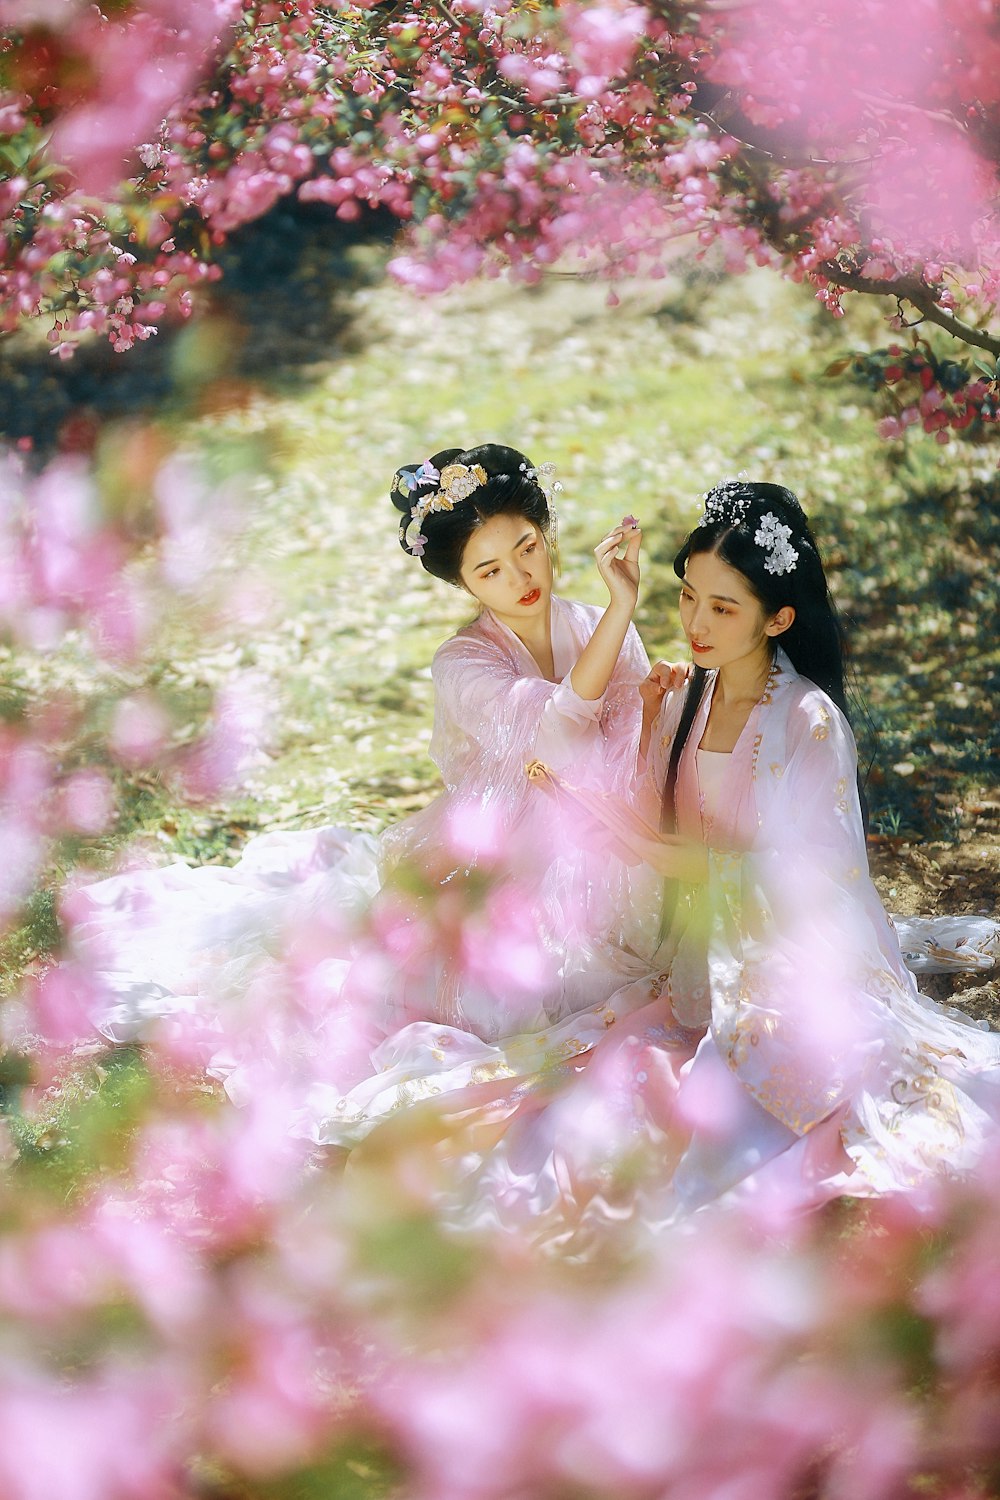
[838, 146]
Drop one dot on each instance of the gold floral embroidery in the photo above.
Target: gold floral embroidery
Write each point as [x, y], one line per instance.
[490, 1072]
[772, 678]
[413, 1092]
[821, 731]
[572, 1047]
[754, 753]
[931, 1094]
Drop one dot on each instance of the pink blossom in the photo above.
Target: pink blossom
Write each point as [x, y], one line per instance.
[603, 39]
[232, 741]
[88, 802]
[108, 1437]
[141, 72]
[64, 1002]
[139, 729]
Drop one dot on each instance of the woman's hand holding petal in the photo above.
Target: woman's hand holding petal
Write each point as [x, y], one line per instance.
[621, 574]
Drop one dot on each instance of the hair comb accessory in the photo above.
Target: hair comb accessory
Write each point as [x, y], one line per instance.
[544, 476]
[728, 501]
[775, 539]
[454, 483]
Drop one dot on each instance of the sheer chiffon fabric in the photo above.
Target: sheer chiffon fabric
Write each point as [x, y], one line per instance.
[806, 998]
[200, 946]
[773, 1034]
[787, 1052]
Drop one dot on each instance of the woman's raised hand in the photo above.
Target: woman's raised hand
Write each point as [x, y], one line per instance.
[664, 677]
[621, 574]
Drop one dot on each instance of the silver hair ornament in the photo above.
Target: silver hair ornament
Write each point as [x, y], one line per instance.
[775, 539]
[728, 501]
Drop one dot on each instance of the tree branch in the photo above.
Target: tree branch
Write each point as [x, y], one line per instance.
[920, 296]
[440, 6]
[782, 158]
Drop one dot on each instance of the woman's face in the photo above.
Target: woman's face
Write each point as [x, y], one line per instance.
[723, 621]
[506, 566]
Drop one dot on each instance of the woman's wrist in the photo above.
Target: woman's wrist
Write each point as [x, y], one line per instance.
[622, 608]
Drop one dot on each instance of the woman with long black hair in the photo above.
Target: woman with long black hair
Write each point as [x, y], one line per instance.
[818, 1048]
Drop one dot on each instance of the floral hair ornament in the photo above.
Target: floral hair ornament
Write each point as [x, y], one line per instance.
[775, 539]
[452, 484]
[729, 503]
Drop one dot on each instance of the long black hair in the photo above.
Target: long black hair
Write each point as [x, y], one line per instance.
[511, 488]
[815, 642]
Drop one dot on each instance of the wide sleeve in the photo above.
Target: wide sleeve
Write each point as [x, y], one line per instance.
[487, 719]
[621, 716]
[810, 828]
[567, 722]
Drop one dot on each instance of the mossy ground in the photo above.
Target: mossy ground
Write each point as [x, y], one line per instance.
[642, 407]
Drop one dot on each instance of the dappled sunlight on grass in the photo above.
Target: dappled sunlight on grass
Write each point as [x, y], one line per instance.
[641, 407]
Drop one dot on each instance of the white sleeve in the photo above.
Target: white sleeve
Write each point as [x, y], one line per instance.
[566, 721]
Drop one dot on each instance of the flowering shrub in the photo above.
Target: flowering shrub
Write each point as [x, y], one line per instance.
[96, 553]
[828, 144]
[209, 1312]
[922, 387]
[195, 1302]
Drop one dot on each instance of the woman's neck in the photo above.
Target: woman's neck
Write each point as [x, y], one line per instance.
[744, 681]
[536, 638]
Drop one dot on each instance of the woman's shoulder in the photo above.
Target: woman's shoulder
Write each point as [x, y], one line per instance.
[811, 712]
[472, 644]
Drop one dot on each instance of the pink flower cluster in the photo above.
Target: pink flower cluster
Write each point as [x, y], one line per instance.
[86, 582]
[510, 136]
[221, 1301]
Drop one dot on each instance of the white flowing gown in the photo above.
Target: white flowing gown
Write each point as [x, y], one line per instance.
[195, 948]
[775, 1029]
[812, 1017]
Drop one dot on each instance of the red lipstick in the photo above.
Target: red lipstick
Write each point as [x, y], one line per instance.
[530, 598]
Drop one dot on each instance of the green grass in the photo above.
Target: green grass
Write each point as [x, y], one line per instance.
[641, 407]
[640, 410]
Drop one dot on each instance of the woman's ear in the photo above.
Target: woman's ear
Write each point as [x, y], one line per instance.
[782, 621]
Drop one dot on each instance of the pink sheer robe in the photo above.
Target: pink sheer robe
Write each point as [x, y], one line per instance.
[789, 959]
[180, 942]
[785, 1047]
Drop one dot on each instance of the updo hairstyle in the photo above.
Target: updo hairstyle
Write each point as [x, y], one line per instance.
[510, 490]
